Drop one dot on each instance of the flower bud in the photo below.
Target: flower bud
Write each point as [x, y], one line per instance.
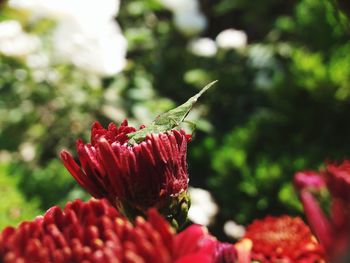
[134, 178]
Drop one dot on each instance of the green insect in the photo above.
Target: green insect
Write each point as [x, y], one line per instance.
[168, 120]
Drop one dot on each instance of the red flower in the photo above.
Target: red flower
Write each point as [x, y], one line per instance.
[95, 232]
[283, 239]
[134, 177]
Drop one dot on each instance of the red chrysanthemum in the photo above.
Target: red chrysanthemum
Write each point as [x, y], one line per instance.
[152, 173]
[283, 239]
[95, 232]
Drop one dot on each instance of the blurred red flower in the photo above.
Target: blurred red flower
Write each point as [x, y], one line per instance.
[283, 239]
[95, 232]
[134, 177]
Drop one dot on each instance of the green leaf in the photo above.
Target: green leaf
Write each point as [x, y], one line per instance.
[168, 120]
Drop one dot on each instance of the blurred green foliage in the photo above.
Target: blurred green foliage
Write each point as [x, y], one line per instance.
[14, 206]
[50, 184]
[281, 103]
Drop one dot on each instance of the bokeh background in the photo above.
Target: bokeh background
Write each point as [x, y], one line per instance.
[281, 103]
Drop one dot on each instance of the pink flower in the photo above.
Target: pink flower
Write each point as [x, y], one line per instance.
[134, 177]
[333, 232]
[283, 239]
[95, 232]
[225, 252]
[338, 181]
[309, 180]
[195, 245]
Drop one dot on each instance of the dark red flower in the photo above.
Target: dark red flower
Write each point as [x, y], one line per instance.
[95, 232]
[283, 239]
[134, 177]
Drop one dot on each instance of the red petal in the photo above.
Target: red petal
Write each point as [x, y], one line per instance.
[112, 167]
[79, 175]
